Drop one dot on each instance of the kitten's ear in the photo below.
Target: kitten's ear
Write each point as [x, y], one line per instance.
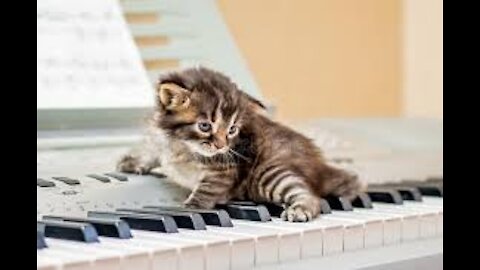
[256, 104]
[173, 96]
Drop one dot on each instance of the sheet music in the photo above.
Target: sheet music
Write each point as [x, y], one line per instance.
[86, 57]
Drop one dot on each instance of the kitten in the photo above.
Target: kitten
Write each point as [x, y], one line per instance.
[217, 141]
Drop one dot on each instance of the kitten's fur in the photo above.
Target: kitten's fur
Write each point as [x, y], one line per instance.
[260, 160]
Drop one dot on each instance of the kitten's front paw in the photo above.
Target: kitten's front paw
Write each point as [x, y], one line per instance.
[196, 204]
[130, 164]
[298, 213]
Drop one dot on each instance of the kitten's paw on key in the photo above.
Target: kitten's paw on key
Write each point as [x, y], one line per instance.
[298, 213]
[130, 164]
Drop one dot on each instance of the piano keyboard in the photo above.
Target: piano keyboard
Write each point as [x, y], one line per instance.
[120, 221]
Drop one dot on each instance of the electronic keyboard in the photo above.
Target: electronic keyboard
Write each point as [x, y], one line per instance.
[120, 221]
[92, 218]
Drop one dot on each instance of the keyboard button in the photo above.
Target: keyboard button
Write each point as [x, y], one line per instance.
[409, 193]
[274, 209]
[385, 195]
[242, 246]
[362, 201]
[103, 256]
[247, 212]
[67, 180]
[185, 220]
[158, 254]
[117, 176]
[267, 241]
[215, 251]
[339, 203]
[61, 258]
[76, 231]
[316, 240]
[44, 183]
[146, 222]
[426, 188]
[428, 219]
[105, 227]
[100, 178]
[325, 207]
[41, 240]
[213, 217]
[436, 180]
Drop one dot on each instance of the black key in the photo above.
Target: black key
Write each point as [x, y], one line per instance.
[137, 221]
[437, 180]
[76, 231]
[433, 190]
[118, 176]
[325, 207]
[274, 209]
[67, 180]
[100, 178]
[44, 183]
[339, 203]
[213, 217]
[41, 240]
[385, 196]
[362, 201]
[105, 227]
[247, 203]
[409, 193]
[186, 220]
[248, 212]
[426, 189]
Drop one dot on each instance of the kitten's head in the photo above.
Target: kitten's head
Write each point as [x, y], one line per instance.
[204, 109]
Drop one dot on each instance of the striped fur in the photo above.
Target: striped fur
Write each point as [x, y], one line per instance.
[242, 155]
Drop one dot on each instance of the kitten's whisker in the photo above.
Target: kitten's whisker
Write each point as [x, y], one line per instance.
[239, 155]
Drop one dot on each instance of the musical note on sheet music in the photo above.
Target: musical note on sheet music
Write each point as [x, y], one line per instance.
[86, 57]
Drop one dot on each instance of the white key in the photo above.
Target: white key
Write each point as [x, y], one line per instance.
[428, 218]
[48, 263]
[432, 200]
[373, 226]
[242, 247]
[331, 237]
[410, 226]
[435, 204]
[162, 256]
[353, 235]
[311, 237]
[105, 257]
[67, 259]
[204, 252]
[392, 224]
[289, 240]
[266, 242]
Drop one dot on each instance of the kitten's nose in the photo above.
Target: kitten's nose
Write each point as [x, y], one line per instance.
[219, 144]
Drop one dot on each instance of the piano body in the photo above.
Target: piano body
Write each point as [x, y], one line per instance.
[89, 217]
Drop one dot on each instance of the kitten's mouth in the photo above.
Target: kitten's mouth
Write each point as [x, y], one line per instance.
[206, 149]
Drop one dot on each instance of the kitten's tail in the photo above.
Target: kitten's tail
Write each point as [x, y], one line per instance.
[340, 182]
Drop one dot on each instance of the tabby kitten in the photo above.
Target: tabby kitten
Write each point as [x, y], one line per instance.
[217, 141]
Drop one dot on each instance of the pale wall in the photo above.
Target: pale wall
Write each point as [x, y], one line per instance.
[423, 58]
[345, 58]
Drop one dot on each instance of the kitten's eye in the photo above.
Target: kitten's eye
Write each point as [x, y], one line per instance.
[204, 126]
[233, 130]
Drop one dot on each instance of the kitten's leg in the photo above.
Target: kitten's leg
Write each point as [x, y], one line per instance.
[210, 191]
[139, 160]
[301, 204]
[340, 182]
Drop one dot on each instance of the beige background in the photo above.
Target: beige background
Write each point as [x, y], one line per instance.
[343, 58]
